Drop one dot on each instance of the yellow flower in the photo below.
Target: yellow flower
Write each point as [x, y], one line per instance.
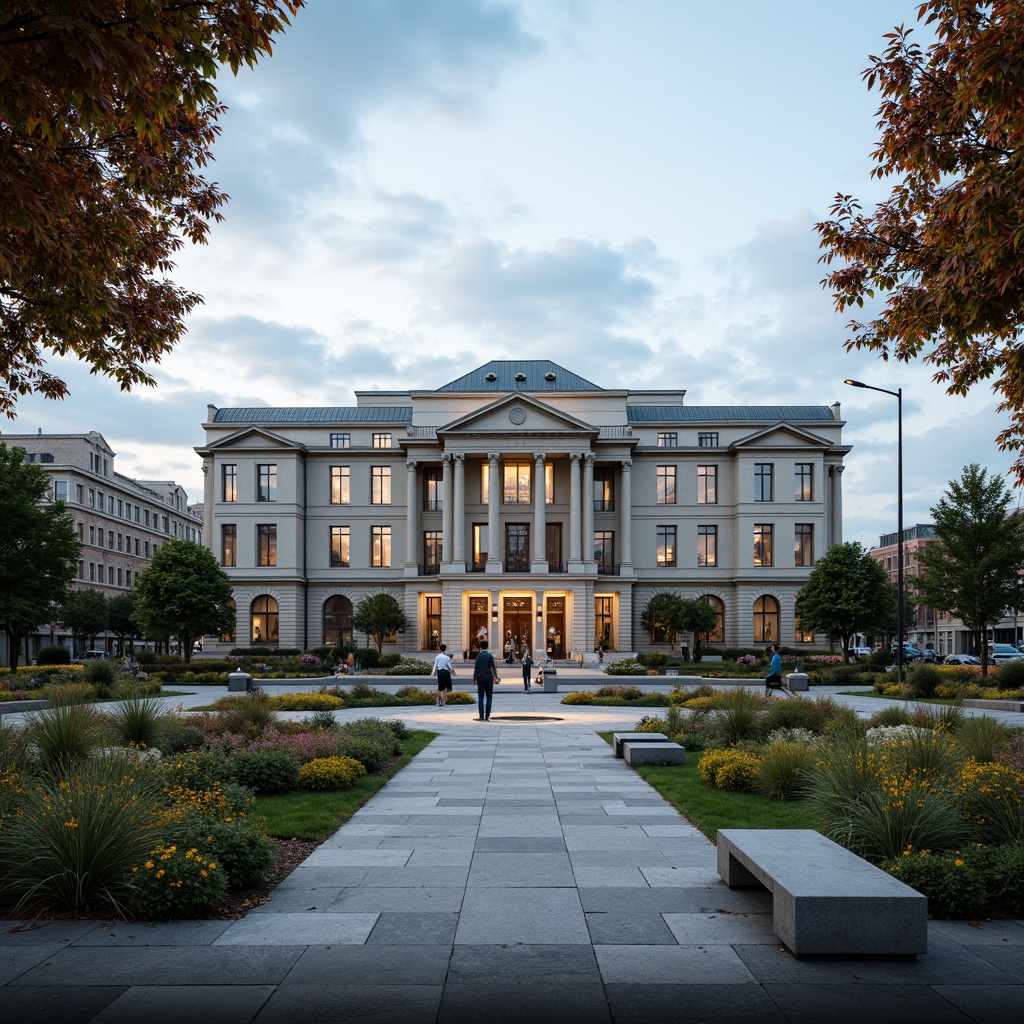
[160, 873]
[149, 865]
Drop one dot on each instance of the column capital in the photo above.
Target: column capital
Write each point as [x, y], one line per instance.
[447, 457]
[540, 456]
[575, 456]
[410, 463]
[493, 456]
[458, 457]
[590, 457]
[836, 470]
[627, 463]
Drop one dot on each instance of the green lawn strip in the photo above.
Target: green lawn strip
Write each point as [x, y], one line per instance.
[318, 815]
[710, 808]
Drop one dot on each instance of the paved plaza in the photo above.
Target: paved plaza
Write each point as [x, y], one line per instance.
[514, 871]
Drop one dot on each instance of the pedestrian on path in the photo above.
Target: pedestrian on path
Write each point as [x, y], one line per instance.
[527, 665]
[444, 670]
[485, 675]
[773, 681]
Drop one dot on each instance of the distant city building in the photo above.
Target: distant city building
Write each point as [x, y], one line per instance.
[120, 522]
[523, 505]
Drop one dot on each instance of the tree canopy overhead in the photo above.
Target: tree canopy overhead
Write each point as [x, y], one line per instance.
[108, 112]
[946, 248]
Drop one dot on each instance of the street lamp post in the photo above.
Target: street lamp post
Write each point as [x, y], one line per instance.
[898, 395]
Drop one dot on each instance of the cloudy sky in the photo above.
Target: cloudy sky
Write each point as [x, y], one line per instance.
[628, 189]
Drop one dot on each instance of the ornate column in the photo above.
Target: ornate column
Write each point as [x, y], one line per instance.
[458, 553]
[575, 517]
[494, 545]
[626, 514]
[411, 518]
[446, 509]
[539, 561]
[588, 510]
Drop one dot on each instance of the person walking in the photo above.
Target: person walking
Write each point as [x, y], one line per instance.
[444, 670]
[527, 665]
[485, 675]
[773, 681]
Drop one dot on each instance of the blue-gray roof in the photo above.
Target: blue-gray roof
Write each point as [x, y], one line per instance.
[302, 414]
[534, 371]
[719, 413]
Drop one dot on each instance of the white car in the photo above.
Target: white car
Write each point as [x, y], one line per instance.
[859, 651]
[1000, 653]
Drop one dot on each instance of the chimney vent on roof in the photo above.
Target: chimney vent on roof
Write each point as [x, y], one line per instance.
[491, 377]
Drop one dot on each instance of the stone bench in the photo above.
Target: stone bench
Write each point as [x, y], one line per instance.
[664, 752]
[797, 681]
[618, 738]
[826, 901]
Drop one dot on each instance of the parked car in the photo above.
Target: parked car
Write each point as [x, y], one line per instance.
[98, 655]
[858, 652]
[999, 653]
[961, 659]
[910, 652]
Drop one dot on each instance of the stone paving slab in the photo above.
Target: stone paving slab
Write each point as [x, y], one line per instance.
[162, 1004]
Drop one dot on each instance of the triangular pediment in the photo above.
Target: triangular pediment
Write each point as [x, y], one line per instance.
[782, 435]
[256, 438]
[517, 414]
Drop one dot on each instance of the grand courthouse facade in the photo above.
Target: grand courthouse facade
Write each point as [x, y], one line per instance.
[520, 504]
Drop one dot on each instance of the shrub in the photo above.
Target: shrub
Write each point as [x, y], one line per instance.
[922, 680]
[179, 733]
[174, 882]
[1012, 753]
[737, 770]
[1002, 868]
[265, 771]
[362, 691]
[793, 714]
[248, 715]
[460, 697]
[739, 714]
[953, 886]
[322, 719]
[305, 702]
[389, 660]
[375, 729]
[703, 705]
[196, 770]
[77, 834]
[842, 675]
[64, 734]
[236, 843]
[653, 659]
[620, 692]
[625, 667]
[782, 766]
[981, 738]
[53, 655]
[411, 667]
[137, 721]
[581, 697]
[327, 773]
[410, 695]
[102, 674]
[373, 754]
[398, 727]
[894, 714]
[1010, 676]
[991, 797]
[367, 657]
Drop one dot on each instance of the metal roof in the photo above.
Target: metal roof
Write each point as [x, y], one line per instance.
[301, 414]
[534, 373]
[726, 413]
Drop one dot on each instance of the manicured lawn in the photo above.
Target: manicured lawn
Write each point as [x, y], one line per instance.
[318, 815]
[710, 808]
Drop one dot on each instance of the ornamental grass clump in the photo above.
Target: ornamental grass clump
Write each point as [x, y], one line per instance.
[991, 797]
[329, 773]
[739, 714]
[71, 842]
[783, 764]
[982, 737]
[137, 721]
[174, 882]
[249, 715]
[64, 734]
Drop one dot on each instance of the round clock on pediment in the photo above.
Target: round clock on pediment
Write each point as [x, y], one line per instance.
[517, 415]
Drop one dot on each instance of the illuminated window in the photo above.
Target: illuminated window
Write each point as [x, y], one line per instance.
[339, 547]
[266, 489]
[707, 545]
[766, 620]
[266, 544]
[517, 483]
[229, 544]
[803, 544]
[804, 481]
[340, 480]
[763, 544]
[666, 485]
[707, 485]
[380, 547]
[666, 552]
[380, 485]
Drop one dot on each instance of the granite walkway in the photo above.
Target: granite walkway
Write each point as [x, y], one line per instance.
[513, 872]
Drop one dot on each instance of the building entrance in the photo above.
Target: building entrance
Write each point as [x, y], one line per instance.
[517, 618]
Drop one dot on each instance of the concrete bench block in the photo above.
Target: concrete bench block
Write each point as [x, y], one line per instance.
[239, 682]
[826, 901]
[652, 753]
[797, 681]
[635, 737]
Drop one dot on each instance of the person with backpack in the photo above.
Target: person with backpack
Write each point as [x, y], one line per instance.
[485, 675]
[773, 681]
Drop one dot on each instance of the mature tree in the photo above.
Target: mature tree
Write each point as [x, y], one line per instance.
[121, 623]
[700, 619]
[379, 616]
[847, 592]
[664, 614]
[38, 549]
[108, 112]
[947, 247]
[86, 614]
[183, 592]
[974, 571]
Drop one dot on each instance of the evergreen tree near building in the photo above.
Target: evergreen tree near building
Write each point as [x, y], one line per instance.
[39, 550]
[973, 571]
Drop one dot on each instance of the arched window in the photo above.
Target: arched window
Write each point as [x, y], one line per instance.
[766, 620]
[717, 635]
[338, 621]
[801, 635]
[229, 636]
[264, 620]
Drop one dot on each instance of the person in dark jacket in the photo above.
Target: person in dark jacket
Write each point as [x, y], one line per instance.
[485, 675]
[527, 665]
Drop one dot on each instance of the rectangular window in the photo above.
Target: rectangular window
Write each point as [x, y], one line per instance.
[120, 577]
[80, 494]
[433, 489]
[120, 542]
[380, 547]
[266, 544]
[549, 483]
[479, 546]
[604, 551]
[604, 493]
[668, 439]
[81, 532]
[803, 544]
[805, 481]
[707, 485]
[340, 493]
[266, 474]
[81, 570]
[92, 535]
[432, 551]
[146, 518]
[763, 490]
[517, 547]
[381, 440]
[341, 440]
[762, 544]
[60, 490]
[485, 482]
[120, 508]
[128, 577]
[340, 538]
[110, 504]
[146, 549]
[92, 571]
[229, 484]
[707, 545]
[92, 497]
[110, 540]
[229, 544]
[666, 545]
[666, 485]
[707, 439]
[517, 483]
[380, 485]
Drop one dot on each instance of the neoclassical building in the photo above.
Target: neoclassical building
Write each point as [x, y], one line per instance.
[523, 504]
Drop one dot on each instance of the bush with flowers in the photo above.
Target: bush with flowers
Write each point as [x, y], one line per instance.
[730, 768]
[177, 882]
[328, 773]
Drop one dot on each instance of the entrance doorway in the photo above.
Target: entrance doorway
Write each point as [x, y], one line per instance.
[554, 641]
[517, 617]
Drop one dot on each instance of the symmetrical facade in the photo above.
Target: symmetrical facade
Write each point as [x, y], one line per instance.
[120, 522]
[522, 504]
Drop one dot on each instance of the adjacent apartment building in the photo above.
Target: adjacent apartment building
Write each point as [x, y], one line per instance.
[120, 522]
[521, 504]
